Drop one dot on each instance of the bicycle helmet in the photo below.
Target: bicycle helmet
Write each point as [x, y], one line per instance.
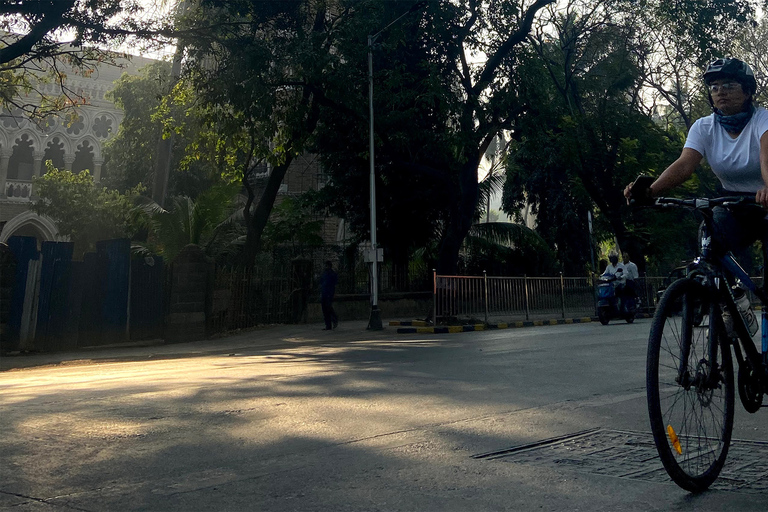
[734, 69]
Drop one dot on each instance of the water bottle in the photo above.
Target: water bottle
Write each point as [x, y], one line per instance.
[764, 346]
[745, 308]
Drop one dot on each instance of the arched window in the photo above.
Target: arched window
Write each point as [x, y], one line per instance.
[21, 161]
[83, 158]
[54, 152]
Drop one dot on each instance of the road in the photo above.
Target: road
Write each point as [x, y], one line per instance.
[295, 419]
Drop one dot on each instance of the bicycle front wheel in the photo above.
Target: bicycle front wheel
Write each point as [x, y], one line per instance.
[689, 382]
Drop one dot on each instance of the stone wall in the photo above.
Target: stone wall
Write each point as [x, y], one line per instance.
[395, 306]
[191, 292]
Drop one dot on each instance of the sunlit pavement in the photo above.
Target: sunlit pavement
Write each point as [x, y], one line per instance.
[295, 418]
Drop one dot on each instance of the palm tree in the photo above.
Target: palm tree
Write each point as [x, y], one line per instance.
[504, 247]
[205, 221]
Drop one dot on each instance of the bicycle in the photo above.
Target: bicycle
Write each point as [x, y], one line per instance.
[689, 369]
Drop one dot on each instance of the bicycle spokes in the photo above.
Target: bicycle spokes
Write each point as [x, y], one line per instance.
[690, 386]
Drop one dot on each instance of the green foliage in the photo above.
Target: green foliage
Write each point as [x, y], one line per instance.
[246, 85]
[255, 79]
[506, 249]
[149, 115]
[293, 221]
[276, 71]
[432, 119]
[583, 139]
[704, 28]
[130, 156]
[207, 221]
[268, 80]
[84, 212]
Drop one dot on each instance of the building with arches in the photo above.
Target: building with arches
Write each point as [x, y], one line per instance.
[72, 140]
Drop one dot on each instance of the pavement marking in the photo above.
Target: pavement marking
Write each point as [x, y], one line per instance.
[408, 323]
[422, 327]
[411, 327]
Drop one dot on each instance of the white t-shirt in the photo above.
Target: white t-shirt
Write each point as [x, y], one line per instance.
[630, 270]
[735, 162]
[611, 270]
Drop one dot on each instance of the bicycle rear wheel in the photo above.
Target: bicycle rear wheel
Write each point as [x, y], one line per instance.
[689, 382]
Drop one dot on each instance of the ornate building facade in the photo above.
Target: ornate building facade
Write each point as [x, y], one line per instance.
[73, 140]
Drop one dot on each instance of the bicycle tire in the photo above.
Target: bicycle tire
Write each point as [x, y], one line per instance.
[699, 407]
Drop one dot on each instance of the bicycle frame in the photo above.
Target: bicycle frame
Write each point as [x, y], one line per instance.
[690, 370]
[731, 272]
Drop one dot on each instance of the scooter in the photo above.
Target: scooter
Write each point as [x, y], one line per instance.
[612, 303]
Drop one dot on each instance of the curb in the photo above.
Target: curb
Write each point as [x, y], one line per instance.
[422, 327]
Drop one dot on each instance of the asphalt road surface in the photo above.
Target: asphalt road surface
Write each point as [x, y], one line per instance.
[295, 419]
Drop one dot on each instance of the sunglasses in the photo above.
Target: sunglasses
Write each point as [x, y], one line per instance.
[726, 87]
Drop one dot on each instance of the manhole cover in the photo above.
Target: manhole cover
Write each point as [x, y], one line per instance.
[629, 454]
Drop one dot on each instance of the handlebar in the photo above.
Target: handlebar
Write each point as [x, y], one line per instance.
[704, 203]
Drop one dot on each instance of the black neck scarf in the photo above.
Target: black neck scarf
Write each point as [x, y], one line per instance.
[734, 124]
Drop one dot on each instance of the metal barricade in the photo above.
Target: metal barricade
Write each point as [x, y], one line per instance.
[511, 297]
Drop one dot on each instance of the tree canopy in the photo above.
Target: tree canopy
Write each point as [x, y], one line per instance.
[130, 158]
[590, 93]
[45, 40]
[86, 213]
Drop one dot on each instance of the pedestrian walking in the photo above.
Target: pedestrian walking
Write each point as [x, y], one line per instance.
[328, 280]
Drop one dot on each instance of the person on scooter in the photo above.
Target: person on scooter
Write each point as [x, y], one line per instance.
[610, 302]
[631, 275]
[617, 271]
[615, 267]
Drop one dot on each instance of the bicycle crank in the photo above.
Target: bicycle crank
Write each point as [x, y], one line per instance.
[749, 389]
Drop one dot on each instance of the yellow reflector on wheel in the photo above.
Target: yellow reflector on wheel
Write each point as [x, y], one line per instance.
[674, 440]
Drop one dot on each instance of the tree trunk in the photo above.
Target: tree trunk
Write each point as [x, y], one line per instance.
[460, 218]
[257, 221]
[165, 145]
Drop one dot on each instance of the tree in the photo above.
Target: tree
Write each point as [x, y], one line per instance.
[258, 70]
[673, 42]
[483, 102]
[207, 221]
[610, 71]
[83, 212]
[294, 222]
[585, 135]
[273, 65]
[44, 40]
[131, 156]
[504, 248]
[752, 47]
[412, 151]
[438, 108]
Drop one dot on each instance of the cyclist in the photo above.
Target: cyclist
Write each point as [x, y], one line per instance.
[733, 139]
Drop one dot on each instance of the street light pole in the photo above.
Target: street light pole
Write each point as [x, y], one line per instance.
[374, 322]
